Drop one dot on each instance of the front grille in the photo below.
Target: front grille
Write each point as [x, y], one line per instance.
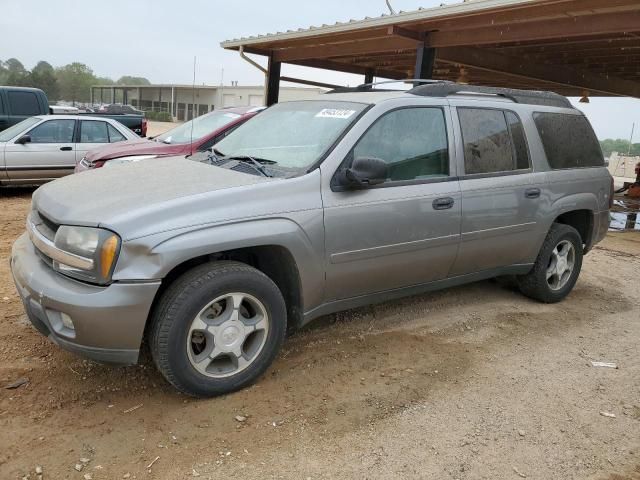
[49, 225]
[47, 228]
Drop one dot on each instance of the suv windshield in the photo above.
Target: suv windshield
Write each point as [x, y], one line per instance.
[291, 135]
[202, 126]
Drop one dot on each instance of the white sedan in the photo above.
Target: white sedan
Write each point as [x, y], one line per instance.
[43, 148]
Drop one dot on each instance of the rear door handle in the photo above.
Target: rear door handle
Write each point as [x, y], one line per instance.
[444, 203]
[532, 193]
[66, 149]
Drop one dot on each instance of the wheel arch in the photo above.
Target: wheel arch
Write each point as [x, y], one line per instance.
[279, 248]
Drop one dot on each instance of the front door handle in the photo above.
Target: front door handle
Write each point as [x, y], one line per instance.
[444, 203]
[66, 149]
[532, 193]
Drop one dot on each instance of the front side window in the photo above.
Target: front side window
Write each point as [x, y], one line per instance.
[53, 131]
[292, 136]
[23, 103]
[411, 141]
[18, 128]
[93, 131]
[494, 141]
[569, 141]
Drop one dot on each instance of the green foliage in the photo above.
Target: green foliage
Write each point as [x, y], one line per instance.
[619, 145]
[104, 81]
[75, 82]
[43, 76]
[129, 80]
[159, 116]
[16, 74]
[71, 82]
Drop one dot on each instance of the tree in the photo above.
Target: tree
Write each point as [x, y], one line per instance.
[75, 82]
[4, 73]
[17, 75]
[129, 80]
[43, 76]
[619, 145]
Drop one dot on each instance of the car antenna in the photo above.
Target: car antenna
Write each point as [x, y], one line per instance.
[193, 102]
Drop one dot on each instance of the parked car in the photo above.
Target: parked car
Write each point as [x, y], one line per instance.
[119, 109]
[18, 103]
[137, 122]
[45, 147]
[63, 110]
[194, 136]
[311, 208]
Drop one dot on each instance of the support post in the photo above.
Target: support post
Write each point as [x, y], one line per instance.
[425, 60]
[368, 76]
[91, 96]
[171, 107]
[272, 94]
[113, 94]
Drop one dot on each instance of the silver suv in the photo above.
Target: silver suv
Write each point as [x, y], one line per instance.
[310, 208]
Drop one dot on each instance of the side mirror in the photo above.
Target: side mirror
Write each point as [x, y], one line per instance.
[24, 139]
[364, 172]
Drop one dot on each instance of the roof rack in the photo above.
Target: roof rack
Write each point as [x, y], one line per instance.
[529, 97]
[366, 87]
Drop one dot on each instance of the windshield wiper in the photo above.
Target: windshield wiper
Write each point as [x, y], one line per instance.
[257, 163]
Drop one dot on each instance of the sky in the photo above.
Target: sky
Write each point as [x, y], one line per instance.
[158, 39]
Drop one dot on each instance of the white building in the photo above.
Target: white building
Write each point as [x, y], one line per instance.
[182, 100]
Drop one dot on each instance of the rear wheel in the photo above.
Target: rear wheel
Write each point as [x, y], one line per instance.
[217, 328]
[557, 267]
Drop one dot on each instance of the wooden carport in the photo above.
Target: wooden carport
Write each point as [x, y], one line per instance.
[573, 47]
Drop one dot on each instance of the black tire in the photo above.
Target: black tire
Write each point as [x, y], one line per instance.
[534, 284]
[182, 302]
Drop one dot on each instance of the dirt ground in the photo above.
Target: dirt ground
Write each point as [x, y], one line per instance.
[475, 382]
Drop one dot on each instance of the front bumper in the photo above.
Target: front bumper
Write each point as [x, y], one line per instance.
[108, 321]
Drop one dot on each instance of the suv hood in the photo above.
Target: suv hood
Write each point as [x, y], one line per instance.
[140, 146]
[132, 199]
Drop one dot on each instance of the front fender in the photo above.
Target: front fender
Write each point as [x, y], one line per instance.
[152, 258]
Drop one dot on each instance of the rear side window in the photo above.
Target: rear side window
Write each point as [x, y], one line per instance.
[569, 141]
[114, 135]
[93, 131]
[494, 141]
[23, 103]
[412, 141]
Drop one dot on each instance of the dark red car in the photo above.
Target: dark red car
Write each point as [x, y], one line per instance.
[194, 136]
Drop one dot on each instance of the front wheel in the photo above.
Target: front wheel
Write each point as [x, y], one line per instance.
[557, 267]
[217, 328]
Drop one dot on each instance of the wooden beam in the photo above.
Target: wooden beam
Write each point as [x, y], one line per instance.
[488, 60]
[397, 31]
[584, 25]
[361, 47]
[347, 68]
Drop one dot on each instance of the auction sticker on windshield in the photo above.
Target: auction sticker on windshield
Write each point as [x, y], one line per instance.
[335, 113]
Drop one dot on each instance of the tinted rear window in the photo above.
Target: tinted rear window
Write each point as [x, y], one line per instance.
[23, 103]
[569, 141]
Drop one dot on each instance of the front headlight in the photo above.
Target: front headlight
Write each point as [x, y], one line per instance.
[94, 252]
[125, 160]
